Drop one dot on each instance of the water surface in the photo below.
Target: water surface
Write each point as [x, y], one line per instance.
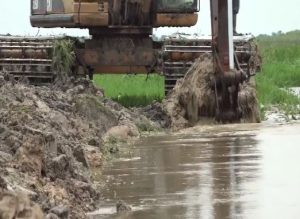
[231, 171]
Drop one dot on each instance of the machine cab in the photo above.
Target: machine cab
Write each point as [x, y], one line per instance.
[178, 6]
[111, 13]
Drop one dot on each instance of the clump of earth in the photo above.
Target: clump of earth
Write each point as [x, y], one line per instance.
[193, 101]
[18, 206]
[50, 140]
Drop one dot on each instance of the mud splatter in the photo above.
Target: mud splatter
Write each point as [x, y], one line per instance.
[248, 103]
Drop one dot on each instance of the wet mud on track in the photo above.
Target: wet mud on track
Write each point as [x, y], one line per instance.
[231, 171]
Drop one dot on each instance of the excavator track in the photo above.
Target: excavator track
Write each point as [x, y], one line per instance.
[29, 57]
[180, 52]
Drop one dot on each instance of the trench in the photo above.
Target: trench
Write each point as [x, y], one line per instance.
[227, 171]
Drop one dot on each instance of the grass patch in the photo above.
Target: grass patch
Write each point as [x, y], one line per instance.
[281, 69]
[132, 90]
[63, 56]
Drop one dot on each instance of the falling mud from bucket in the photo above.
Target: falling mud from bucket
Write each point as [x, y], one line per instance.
[192, 97]
[248, 103]
[193, 101]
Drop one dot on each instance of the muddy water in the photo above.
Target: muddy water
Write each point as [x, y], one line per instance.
[240, 171]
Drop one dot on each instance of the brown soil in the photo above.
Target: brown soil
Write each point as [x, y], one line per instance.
[18, 206]
[50, 137]
[193, 100]
[192, 97]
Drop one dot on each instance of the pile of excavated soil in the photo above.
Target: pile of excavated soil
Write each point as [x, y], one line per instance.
[50, 139]
[192, 97]
[193, 100]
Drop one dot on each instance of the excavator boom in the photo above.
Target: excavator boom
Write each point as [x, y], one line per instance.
[228, 75]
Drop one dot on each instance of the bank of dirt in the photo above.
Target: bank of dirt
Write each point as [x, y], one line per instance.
[50, 139]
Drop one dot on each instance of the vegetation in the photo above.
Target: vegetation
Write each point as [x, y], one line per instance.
[63, 56]
[145, 126]
[132, 90]
[281, 69]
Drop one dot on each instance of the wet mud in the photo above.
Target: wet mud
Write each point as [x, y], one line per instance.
[192, 97]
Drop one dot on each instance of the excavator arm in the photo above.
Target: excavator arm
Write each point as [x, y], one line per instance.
[227, 71]
[222, 32]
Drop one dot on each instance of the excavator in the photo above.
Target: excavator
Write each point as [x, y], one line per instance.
[121, 42]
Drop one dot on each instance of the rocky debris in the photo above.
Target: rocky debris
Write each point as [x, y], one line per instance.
[275, 114]
[294, 90]
[91, 109]
[31, 194]
[59, 167]
[30, 155]
[80, 156]
[157, 113]
[5, 157]
[94, 157]
[121, 206]
[52, 216]
[132, 117]
[122, 132]
[3, 184]
[61, 212]
[50, 137]
[18, 206]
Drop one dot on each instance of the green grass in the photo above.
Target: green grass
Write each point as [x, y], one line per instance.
[281, 69]
[63, 56]
[132, 90]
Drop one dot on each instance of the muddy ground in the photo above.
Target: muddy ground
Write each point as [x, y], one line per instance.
[50, 139]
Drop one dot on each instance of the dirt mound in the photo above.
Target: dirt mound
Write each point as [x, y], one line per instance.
[192, 97]
[51, 136]
[193, 100]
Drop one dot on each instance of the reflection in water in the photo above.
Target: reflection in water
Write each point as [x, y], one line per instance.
[211, 174]
[233, 165]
